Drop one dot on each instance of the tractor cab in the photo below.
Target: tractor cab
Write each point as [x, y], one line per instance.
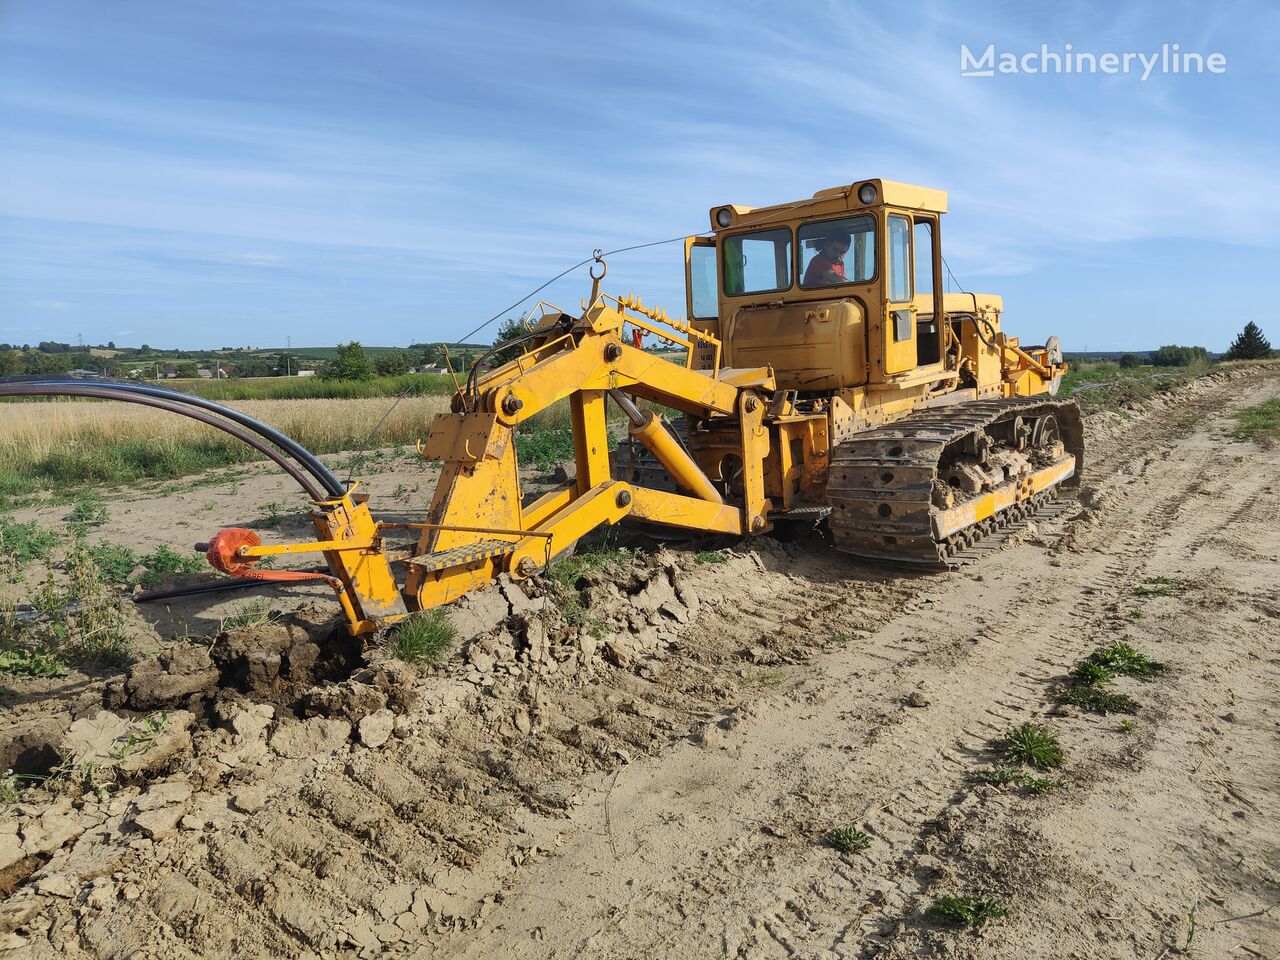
[839, 291]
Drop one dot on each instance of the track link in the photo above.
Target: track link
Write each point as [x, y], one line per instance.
[881, 482]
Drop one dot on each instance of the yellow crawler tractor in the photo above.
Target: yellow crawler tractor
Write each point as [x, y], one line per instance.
[822, 375]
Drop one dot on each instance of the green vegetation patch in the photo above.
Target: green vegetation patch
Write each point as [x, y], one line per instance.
[544, 448]
[1011, 776]
[31, 663]
[847, 839]
[1120, 657]
[1260, 423]
[424, 637]
[967, 911]
[1158, 587]
[1033, 745]
[1099, 701]
[21, 543]
[255, 613]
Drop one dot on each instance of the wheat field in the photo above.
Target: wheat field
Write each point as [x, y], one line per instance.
[69, 441]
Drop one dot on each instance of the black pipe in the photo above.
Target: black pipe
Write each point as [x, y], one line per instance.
[217, 586]
[323, 474]
[106, 392]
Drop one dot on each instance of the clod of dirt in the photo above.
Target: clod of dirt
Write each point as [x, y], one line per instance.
[315, 736]
[171, 678]
[388, 683]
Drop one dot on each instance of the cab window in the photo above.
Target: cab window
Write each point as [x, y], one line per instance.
[899, 259]
[837, 251]
[702, 282]
[757, 262]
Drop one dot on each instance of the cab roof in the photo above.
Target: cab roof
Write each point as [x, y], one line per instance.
[889, 193]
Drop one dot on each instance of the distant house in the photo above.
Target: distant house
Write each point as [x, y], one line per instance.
[170, 370]
[204, 373]
[83, 373]
[305, 373]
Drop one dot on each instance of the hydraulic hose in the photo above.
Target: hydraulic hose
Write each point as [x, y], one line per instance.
[104, 392]
[323, 475]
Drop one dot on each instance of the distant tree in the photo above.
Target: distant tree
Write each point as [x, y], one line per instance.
[1250, 344]
[283, 364]
[1175, 356]
[186, 369]
[145, 348]
[508, 329]
[1129, 361]
[392, 363]
[111, 344]
[349, 364]
[253, 367]
[10, 363]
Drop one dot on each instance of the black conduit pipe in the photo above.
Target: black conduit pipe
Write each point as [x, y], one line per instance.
[106, 393]
[331, 484]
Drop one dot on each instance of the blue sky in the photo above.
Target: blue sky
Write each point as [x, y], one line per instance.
[200, 174]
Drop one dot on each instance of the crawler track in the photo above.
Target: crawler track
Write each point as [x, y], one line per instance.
[881, 483]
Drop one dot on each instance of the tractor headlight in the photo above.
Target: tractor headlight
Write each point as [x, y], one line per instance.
[867, 193]
[724, 217]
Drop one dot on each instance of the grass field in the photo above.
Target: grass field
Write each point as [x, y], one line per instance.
[314, 388]
[57, 445]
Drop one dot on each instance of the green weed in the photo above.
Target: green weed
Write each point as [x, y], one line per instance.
[423, 637]
[1099, 701]
[1090, 674]
[32, 663]
[140, 739]
[1260, 423]
[255, 613]
[711, 556]
[1005, 775]
[85, 514]
[21, 543]
[1128, 726]
[1033, 745]
[1120, 657]
[847, 839]
[1158, 587]
[544, 448]
[967, 911]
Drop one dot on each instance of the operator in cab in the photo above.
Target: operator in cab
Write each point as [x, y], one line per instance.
[827, 267]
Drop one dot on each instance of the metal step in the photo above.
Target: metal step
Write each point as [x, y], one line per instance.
[461, 556]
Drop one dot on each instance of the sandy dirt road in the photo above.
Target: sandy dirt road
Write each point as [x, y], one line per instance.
[667, 796]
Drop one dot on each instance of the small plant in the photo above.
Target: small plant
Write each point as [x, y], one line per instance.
[274, 514]
[423, 637]
[1033, 745]
[967, 911]
[255, 613]
[1136, 614]
[21, 543]
[115, 561]
[847, 839]
[10, 789]
[85, 514]
[140, 739]
[32, 663]
[1158, 587]
[164, 561]
[711, 556]
[1099, 701]
[1089, 674]
[1120, 657]
[1128, 726]
[1191, 929]
[1006, 775]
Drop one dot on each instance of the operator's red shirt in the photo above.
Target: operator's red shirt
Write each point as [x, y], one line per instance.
[820, 265]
